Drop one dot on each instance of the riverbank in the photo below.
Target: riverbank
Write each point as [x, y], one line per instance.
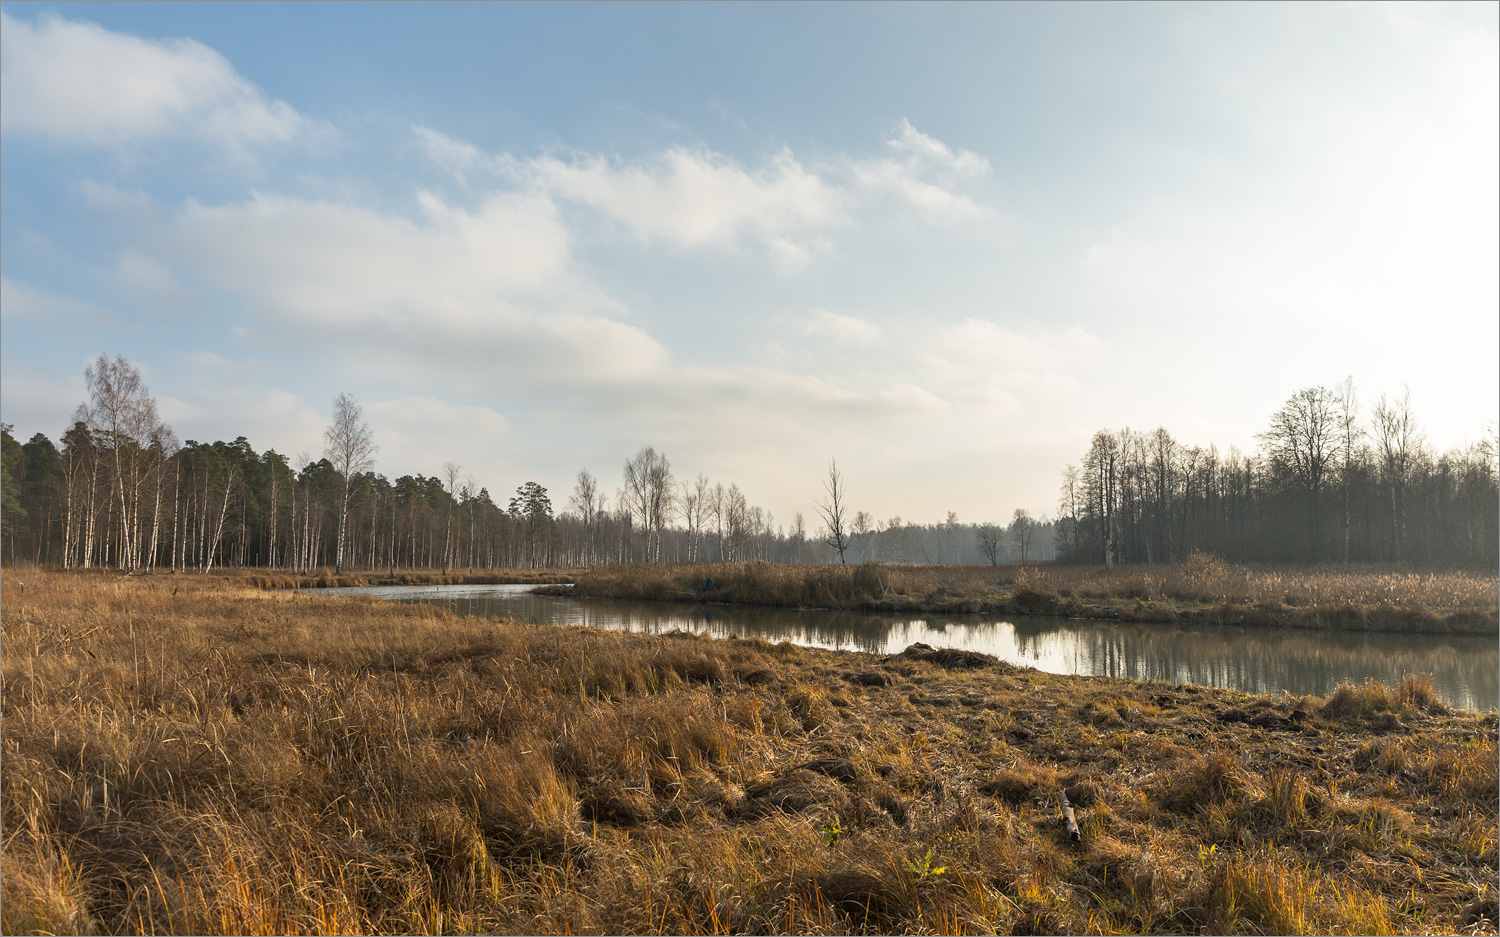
[191, 755]
[326, 578]
[1200, 592]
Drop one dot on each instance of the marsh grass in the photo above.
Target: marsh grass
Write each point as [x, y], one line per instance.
[1201, 589]
[197, 755]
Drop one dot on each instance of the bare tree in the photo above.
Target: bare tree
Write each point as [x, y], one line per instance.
[859, 534]
[797, 538]
[587, 501]
[648, 492]
[351, 449]
[991, 541]
[122, 414]
[1347, 416]
[834, 509]
[692, 503]
[950, 539]
[1400, 442]
[736, 522]
[1102, 486]
[716, 507]
[451, 472]
[703, 495]
[1301, 441]
[1022, 531]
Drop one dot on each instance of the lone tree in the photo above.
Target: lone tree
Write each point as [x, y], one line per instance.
[351, 450]
[835, 509]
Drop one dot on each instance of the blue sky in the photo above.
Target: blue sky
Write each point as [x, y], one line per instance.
[943, 244]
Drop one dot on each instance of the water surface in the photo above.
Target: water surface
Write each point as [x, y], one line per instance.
[1464, 668]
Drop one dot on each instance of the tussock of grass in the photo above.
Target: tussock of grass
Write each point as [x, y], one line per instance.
[1201, 589]
[205, 756]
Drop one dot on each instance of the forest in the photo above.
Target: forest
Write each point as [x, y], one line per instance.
[1327, 485]
[119, 490]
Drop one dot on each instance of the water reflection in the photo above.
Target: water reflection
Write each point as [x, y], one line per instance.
[1465, 668]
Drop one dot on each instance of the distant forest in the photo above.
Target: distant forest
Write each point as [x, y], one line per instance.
[1327, 484]
[121, 491]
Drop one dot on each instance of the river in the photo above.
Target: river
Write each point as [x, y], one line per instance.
[1465, 668]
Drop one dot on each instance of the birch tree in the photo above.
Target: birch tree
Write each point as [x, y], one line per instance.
[587, 502]
[648, 492]
[122, 413]
[351, 449]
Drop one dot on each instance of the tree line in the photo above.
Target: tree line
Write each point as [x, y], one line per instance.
[1328, 482]
[120, 490]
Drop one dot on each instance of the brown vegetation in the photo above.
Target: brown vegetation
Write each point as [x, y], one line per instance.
[193, 755]
[328, 578]
[1202, 590]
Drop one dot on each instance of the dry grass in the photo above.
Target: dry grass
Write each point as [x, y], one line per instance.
[326, 578]
[201, 755]
[1202, 589]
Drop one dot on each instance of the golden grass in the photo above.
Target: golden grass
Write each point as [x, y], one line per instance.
[1203, 590]
[196, 755]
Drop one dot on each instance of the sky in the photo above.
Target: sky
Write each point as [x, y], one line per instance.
[943, 244]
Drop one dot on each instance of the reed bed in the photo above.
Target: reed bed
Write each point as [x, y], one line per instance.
[1202, 589]
[193, 755]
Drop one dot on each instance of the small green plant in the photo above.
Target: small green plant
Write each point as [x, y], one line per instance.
[923, 870]
[1206, 855]
[831, 831]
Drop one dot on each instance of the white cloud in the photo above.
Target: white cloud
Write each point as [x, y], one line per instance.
[319, 262]
[430, 417]
[925, 175]
[696, 197]
[79, 83]
[270, 419]
[148, 276]
[931, 151]
[465, 297]
[453, 156]
[976, 341]
[19, 301]
[847, 330]
[40, 404]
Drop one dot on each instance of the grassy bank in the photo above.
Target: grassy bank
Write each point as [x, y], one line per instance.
[1201, 591]
[190, 755]
[326, 578]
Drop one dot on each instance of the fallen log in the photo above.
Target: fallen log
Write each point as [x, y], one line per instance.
[1067, 813]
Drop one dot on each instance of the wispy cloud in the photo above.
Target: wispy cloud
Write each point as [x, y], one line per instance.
[695, 197]
[846, 330]
[452, 156]
[19, 301]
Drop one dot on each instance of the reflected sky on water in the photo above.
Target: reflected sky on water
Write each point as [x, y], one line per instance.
[1465, 668]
